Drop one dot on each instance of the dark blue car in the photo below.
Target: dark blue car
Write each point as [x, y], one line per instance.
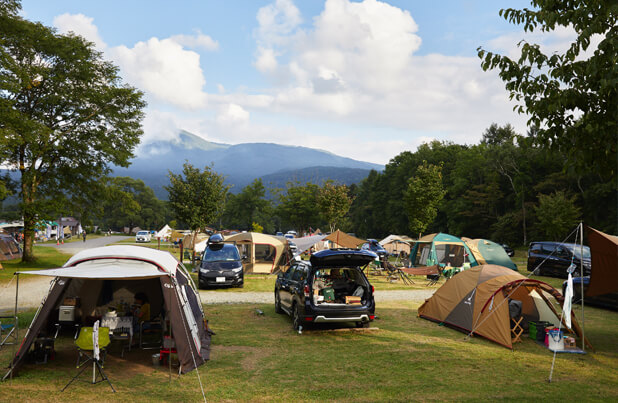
[221, 264]
[331, 288]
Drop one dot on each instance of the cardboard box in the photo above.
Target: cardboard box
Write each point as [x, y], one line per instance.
[352, 300]
[569, 342]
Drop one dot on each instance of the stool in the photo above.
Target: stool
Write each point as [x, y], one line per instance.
[516, 330]
[164, 354]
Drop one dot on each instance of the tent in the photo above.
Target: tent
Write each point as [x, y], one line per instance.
[488, 252]
[102, 277]
[342, 240]
[604, 273]
[164, 232]
[476, 301]
[395, 244]
[265, 253]
[441, 249]
[9, 248]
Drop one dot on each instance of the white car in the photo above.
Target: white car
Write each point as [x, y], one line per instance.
[143, 236]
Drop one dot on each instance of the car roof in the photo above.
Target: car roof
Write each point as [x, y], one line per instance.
[342, 258]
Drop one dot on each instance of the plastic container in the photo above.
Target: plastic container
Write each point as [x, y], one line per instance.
[555, 340]
[156, 359]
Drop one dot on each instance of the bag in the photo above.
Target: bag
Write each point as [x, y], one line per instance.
[554, 337]
[329, 294]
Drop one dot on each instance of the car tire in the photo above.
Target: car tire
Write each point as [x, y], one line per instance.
[296, 317]
[241, 285]
[362, 324]
[278, 308]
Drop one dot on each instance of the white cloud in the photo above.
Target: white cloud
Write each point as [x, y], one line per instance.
[164, 70]
[232, 114]
[80, 25]
[198, 41]
[277, 21]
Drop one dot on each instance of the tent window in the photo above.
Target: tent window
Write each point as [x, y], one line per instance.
[449, 253]
[264, 253]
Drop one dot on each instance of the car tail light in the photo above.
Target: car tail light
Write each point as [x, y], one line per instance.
[372, 317]
[307, 291]
[308, 318]
[373, 289]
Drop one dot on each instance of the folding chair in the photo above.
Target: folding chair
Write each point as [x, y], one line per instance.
[8, 330]
[516, 330]
[85, 349]
[150, 326]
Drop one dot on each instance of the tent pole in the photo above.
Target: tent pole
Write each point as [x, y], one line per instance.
[17, 321]
[581, 283]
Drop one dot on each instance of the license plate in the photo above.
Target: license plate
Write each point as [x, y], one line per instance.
[220, 279]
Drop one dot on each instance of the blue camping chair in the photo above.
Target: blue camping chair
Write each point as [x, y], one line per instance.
[8, 330]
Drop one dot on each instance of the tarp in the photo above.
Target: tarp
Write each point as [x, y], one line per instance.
[477, 301]
[604, 272]
[306, 242]
[343, 240]
[395, 244]
[488, 252]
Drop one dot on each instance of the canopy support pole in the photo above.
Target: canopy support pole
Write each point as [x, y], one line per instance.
[581, 274]
[17, 321]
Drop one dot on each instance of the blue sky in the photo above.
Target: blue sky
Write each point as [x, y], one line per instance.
[363, 79]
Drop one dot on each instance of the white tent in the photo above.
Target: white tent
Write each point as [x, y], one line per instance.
[165, 232]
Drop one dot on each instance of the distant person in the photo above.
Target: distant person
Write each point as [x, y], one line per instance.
[84, 235]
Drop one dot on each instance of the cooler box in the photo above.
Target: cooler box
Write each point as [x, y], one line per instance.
[536, 330]
[66, 313]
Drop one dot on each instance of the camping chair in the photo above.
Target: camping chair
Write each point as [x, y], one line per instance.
[85, 349]
[516, 318]
[150, 326]
[8, 330]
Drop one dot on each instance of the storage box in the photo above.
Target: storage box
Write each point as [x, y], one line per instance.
[66, 313]
[352, 300]
[71, 301]
[569, 342]
[536, 330]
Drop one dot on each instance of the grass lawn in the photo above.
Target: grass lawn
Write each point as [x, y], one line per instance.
[260, 358]
[47, 257]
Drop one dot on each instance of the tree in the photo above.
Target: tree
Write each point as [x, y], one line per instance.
[248, 207]
[196, 197]
[64, 116]
[557, 215]
[298, 206]
[334, 203]
[424, 193]
[571, 97]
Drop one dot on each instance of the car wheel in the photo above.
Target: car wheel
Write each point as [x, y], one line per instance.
[296, 322]
[362, 324]
[278, 303]
[241, 285]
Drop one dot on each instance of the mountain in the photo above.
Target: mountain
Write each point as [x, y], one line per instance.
[241, 163]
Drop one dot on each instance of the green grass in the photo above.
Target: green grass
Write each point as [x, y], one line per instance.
[47, 257]
[260, 358]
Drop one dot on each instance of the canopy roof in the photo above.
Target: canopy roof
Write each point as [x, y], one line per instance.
[105, 269]
[255, 237]
[344, 240]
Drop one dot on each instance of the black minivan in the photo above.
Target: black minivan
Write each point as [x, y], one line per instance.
[221, 264]
[554, 258]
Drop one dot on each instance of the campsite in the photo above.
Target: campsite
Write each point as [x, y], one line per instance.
[405, 355]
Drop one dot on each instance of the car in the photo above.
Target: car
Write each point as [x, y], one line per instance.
[279, 233]
[609, 301]
[554, 258]
[329, 288]
[509, 251]
[221, 264]
[375, 247]
[143, 236]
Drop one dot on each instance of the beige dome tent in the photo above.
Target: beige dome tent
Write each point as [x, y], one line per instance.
[264, 252]
[476, 301]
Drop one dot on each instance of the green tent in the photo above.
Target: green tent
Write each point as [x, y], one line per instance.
[488, 252]
[441, 249]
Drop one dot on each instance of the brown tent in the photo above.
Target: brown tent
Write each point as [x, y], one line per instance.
[343, 240]
[604, 251]
[476, 301]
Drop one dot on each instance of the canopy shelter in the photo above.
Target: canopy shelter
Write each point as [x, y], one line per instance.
[9, 248]
[477, 302]
[306, 242]
[604, 273]
[265, 253]
[164, 232]
[340, 239]
[488, 252]
[103, 277]
[395, 244]
[442, 250]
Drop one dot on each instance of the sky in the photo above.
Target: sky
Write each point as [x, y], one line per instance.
[362, 79]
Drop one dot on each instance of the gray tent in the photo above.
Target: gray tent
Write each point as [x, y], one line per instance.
[97, 276]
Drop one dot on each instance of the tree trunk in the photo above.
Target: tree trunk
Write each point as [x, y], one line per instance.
[29, 226]
[523, 211]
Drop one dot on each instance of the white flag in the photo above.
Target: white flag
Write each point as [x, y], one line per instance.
[95, 340]
[568, 299]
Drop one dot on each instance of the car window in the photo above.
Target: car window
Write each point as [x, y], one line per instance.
[288, 274]
[535, 248]
[299, 274]
[221, 253]
[549, 248]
